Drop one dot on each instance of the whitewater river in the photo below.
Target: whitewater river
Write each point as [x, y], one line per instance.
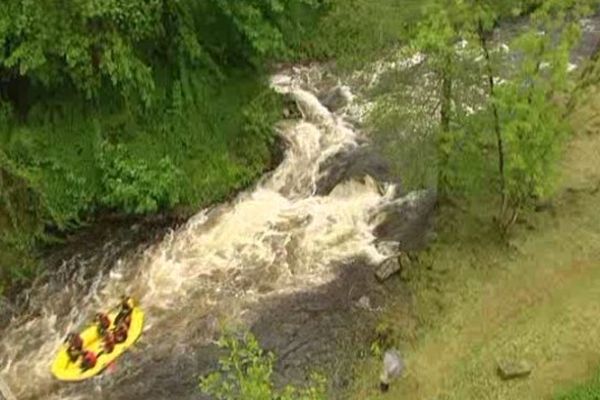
[286, 235]
[275, 239]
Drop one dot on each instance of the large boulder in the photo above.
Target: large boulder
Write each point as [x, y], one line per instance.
[354, 164]
[393, 367]
[290, 108]
[408, 220]
[387, 268]
[392, 265]
[337, 98]
[511, 369]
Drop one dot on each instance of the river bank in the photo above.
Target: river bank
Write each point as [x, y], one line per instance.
[476, 300]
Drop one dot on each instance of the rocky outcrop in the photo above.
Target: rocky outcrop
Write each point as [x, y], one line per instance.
[393, 367]
[391, 266]
[387, 268]
[512, 369]
[290, 108]
[408, 220]
[354, 164]
[339, 97]
[325, 328]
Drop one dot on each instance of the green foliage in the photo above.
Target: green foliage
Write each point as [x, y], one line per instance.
[175, 87]
[82, 43]
[534, 133]
[19, 205]
[257, 137]
[501, 120]
[353, 32]
[133, 185]
[245, 373]
[89, 43]
[586, 391]
[15, 269]
[386, 334]
[531, 118]
[191, 148]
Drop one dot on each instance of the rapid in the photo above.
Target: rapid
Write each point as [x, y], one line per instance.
[275, 239]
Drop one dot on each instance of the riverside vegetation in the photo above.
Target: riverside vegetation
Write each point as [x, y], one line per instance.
[140, 107]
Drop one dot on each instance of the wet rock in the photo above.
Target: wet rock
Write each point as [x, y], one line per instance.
[408, 220]
[320, 329]
[387, 268]
[388, 248]
[290, 108]
[354, 164]
[337, 98]
[393, 366]
[364, 302]
[511, 369]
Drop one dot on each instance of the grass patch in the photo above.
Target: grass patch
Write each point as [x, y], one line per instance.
[587, 391]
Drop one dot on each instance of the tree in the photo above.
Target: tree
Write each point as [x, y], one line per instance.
[531, 114]
[82, 43]
[90, 44]
[489, 99]
[437, 36]
[486, 18]
[245, 373]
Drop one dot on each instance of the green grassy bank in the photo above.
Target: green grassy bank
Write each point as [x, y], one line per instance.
[478, 299]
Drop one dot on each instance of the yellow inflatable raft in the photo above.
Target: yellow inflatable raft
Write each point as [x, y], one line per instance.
[66, 370]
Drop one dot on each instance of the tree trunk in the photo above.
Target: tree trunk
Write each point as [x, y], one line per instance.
[445, 118]
[499, 141]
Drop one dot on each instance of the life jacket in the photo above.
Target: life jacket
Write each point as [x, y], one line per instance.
[75, 341]
[103, 320]
[120, 333]
[103, 323]
[109, 342]
[124, 317]
[73, 354]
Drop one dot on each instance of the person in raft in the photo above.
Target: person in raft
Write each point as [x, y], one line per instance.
[102, 322]
[89, 360]
[75, 348]
[124, 315]
[118, 335]
[108, 342]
